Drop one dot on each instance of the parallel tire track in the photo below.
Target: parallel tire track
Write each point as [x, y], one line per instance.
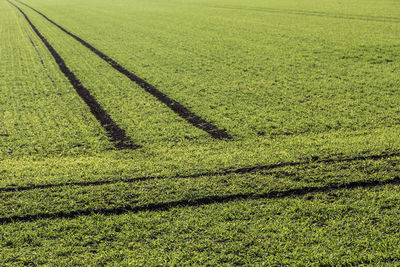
[197, 175]
[174, 105]
[315, 13]
[165, 206]
[115, 133]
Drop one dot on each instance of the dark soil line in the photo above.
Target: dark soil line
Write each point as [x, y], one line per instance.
[197, 175]
[116, 134]
[41, 60]
[174, 105]
[316, 14]
[165, 206]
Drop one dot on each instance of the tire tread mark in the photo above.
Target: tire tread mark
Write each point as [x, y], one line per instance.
[315, 13]
[116, 134]
[165, 206]
[174, 105]
[197, 175]
[41, 60]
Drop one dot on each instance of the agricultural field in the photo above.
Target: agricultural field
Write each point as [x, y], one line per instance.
[200, 132]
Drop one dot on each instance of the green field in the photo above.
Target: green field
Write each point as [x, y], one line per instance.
[200, 132]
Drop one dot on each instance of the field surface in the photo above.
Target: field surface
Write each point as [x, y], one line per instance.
[200, 132]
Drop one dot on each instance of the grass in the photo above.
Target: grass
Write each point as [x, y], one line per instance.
[307, 89]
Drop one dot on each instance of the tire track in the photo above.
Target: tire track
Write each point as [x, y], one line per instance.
[197, 175]
[165, 206]
[41, 60]
[315, 13]
[174, 105]
[116, 134]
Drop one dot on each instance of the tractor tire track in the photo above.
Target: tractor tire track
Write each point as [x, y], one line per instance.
[315, 14]
[174, 105]
[245, 170]
[41, 60]
[116, 134]
[204, 201]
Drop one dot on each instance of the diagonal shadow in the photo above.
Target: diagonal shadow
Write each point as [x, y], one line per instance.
[165, 206]
[216, 173]
[171, 103]
[116, 134]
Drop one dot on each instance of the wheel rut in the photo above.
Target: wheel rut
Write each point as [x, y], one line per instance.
[41, 60]
[204, 201]
[245, 170]
[314, 13]
[116, 134]
[174, 105]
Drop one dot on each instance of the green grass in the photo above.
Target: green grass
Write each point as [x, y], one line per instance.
[297, 82]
